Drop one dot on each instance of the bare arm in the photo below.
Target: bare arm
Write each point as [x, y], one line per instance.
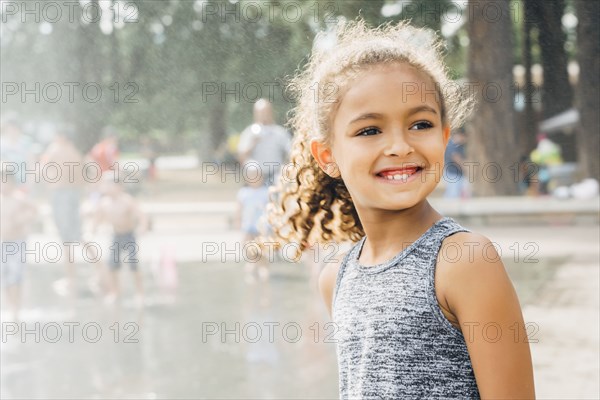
[248, 142]
[479, 293]
[327, 280]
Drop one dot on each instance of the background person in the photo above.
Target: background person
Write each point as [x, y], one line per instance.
[106, 152]
[252, 200]
[122, 212]
[65, 199]
[545, 155]
[457, 183]
[16, 148]
[17, 215]
[265, 142]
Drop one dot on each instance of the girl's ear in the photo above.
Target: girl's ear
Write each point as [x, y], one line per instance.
[324, 157]
[446, 133]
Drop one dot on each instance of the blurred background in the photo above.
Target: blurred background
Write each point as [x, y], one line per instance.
[126, 265]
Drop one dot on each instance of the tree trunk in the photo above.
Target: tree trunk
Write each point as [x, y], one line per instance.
[526, 139]
[588, 103]
[492, 141]
[90, 111]
[83, 113]
[557, 94]
[217, 130]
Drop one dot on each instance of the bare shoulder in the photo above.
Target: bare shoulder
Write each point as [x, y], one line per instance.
[469, 267]
[467, 252]
[480, 294]
[327, 279]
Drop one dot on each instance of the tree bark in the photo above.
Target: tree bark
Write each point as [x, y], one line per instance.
[526, 139]
[588, 98]
[557, 94]
[217, 125]
[492, 141]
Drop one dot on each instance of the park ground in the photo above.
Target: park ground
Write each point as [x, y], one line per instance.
[198, 339]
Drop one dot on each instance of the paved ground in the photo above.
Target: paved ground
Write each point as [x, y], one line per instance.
[173, 347]
[566, 309]
[172, 358]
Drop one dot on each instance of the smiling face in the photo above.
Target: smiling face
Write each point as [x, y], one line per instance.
[388, 138]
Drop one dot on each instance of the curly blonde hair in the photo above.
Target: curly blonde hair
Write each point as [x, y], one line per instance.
[307, 205]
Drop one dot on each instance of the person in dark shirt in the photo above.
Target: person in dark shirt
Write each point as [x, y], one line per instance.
[454, 158]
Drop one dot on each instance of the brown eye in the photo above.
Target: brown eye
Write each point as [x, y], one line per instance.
[368, 132]
[422, 125]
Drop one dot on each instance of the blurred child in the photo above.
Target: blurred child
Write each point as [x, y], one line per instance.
[16, 217]
[106, 152]
[547, 154]
[122, 212]
[252, 200]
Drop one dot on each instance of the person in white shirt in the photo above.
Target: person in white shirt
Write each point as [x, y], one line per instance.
[265, 142]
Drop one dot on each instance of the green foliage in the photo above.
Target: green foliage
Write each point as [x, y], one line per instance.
[173, 53]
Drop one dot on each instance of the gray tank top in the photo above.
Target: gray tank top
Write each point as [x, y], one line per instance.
[393, 342]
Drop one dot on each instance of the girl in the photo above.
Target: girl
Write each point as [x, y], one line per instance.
[423, 307]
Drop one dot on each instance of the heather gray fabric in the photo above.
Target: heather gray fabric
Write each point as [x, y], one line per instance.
[393, 342]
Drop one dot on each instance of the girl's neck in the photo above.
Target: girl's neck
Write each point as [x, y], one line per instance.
[390, 232]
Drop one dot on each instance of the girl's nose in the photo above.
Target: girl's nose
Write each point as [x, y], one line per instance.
[397, 145]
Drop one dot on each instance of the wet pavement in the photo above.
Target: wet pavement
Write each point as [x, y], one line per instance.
[215, 337]
[218, 336]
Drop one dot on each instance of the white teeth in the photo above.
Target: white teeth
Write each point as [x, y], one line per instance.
[397, 177]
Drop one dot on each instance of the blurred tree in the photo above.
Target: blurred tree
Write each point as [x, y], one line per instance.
[432, 14]
[62, 68]
[426, 13]
[86, 115]
[588, 98]
[526, 138]
[492, 140]
[557, 94]
[370, 11]
[172, 56]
